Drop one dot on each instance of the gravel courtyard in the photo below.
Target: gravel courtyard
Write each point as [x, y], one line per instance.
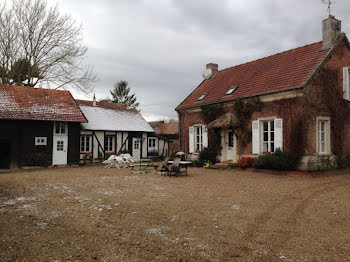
[97, 214]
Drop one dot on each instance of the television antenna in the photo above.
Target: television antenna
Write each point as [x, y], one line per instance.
[329, 3]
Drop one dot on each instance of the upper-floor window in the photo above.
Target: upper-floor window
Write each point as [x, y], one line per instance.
[202, 96]
[60, 128]
[231, 90]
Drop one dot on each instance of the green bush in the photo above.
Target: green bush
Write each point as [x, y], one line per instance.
[279, 160]
[232, 165]
[197, 163]
[207, 155]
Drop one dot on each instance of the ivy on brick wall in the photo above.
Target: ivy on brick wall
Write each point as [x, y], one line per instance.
[243, 111]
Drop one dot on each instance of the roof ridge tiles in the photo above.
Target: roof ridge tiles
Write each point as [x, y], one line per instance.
[269, 56]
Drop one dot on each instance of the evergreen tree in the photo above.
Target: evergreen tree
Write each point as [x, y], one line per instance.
[120, 94]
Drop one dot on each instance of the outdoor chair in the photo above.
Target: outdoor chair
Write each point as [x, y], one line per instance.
[114, 161]
[109, 161]
[165, 168]
[127, 158]
[175, 167]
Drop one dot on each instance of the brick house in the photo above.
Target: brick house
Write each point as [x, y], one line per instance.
[38, 127]
[305, 104]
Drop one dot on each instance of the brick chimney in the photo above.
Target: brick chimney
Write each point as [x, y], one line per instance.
[210, 70]
[213, 67]
[331, 29]
[94, 101]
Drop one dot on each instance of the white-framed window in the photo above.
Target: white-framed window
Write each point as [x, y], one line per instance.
[199, 138]
[85, 144]
[346, 83]
[109, 143]
[152, 144]
[231, 90]
[60, 128]
[268, 136]
[40, 141]
[323, 145]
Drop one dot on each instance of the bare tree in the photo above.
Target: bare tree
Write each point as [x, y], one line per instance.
[41, 47]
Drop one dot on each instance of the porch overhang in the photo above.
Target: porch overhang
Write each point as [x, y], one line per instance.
[227, 120]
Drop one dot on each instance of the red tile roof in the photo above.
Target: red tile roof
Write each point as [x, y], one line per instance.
[166, 128]
[287, 70]
[27, 103]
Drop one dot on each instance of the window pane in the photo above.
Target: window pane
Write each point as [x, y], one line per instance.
[266, 136]
[272, 136]
[265, 124]
[265, 148]
[230, 139]
[272, 126]
[272, 147]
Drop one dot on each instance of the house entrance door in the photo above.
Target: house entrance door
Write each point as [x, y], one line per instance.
[136, 148]
[60, 144]
[4, 154]
[231, 147]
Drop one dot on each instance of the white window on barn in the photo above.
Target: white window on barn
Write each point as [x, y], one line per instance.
[267, 135]
[109, 143]
[60, 128]
[323, 135]
[152, 145]
[40, 141]
[85, 144]
[346, 83]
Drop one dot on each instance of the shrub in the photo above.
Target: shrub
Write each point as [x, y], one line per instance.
[279, 160]
[232, 165]
[245, 162]
[207, 155]
[197, 163]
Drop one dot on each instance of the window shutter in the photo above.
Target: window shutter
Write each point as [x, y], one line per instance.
[255, 137]
[205, 136]
[278, 125]
[191, 139]
[346, 83]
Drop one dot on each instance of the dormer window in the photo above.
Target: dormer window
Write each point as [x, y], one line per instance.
[202, 97]
[231, 90]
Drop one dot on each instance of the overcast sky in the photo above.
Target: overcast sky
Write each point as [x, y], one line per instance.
[161, 47]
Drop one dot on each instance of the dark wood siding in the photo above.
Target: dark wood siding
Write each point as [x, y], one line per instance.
[73, 143]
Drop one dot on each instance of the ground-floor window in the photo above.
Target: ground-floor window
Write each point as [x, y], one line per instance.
[85, 144]
[268, 132]
[199, 138]
[152, 145]
[323, 135]
[109, 143]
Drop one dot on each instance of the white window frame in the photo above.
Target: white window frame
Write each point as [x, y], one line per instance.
[270, 133]
[326, 135]
[61, 128]
[346, 83]
[40, 141]
[198, 143]
[83, 147]
[109, 143]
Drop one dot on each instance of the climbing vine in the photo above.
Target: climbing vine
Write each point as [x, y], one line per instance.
[211, 112]
[243, 111]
